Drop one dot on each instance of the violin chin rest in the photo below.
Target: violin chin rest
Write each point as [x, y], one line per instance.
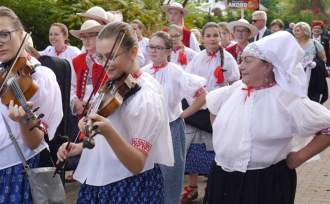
[88, 143]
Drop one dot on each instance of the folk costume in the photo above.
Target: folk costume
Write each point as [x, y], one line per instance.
[143, 122]
[200, 153]
[14, 184]
[177, 85]
[182, 56]
[68, 53]
[188, 38]
[251, 147]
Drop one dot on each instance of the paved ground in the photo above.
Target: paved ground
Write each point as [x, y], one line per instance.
[313, 182]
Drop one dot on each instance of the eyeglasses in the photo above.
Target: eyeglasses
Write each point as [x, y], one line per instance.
[175, 36]
[255, 20]
[241, 31]
[100, 59]
[156, 48]
[5, 36]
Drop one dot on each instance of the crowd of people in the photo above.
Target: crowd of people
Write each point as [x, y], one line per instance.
[230, 102]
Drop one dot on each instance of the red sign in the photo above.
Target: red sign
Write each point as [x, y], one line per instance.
[244, 4]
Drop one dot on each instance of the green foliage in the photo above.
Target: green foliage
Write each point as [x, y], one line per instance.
[38, 15]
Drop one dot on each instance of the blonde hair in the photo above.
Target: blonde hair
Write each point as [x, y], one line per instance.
[305, 28]
[260, 15]
[64, 30]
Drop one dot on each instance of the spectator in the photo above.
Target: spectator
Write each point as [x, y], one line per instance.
[259, 19]
[276, 25]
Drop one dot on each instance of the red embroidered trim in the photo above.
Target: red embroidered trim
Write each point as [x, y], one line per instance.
[141, 145]
[156, 68]
[250, 89]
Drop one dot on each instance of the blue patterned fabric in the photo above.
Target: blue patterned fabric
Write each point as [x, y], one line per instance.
[14, 184]
[199, 160]
[173, 176]
[145, 188]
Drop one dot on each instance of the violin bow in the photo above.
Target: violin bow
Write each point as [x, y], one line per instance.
[96, 89]
[18, 53]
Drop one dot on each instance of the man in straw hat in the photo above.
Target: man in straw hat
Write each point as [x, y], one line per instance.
[242, 32]
[175, 13]
[86, 71]
[96, 13]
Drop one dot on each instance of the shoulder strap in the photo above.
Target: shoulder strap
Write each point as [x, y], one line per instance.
[18, 149]
[221, 57]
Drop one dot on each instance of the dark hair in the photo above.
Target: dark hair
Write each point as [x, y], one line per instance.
[112, 29]
[209, 25]
[165, 37]
[7, 12]
[278, 22]
[63, 29]
[139, 23]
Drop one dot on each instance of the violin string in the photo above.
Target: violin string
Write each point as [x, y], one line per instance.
[20, 96]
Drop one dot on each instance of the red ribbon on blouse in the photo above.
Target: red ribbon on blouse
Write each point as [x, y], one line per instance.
[182, 58]
[218, 73]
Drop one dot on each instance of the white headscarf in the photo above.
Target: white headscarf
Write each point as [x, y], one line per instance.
[285, 54]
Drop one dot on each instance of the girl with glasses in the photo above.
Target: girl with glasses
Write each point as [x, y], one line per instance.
[180, 54]
[14, 184]
[132, 141]
[177, 85]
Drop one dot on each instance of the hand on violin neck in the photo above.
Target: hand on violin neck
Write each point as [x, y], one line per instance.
[100, 125]
[17, 113]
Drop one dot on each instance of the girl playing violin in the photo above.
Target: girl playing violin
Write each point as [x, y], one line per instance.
[14, 185]
[122, 167]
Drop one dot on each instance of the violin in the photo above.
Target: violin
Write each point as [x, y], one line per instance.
[109, 97]
[16, 83]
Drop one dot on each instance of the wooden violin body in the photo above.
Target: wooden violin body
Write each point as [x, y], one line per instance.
[115, 95]
[21, 72]
[110, 98]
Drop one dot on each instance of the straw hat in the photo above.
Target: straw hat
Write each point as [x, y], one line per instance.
[244, 23]
[96, 13]
[175, 5]
[89, 26]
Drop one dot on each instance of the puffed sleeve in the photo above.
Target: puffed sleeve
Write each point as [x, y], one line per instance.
[190, 85]
[217, 97]
[146, 118]
[309, 117]
[48, 98]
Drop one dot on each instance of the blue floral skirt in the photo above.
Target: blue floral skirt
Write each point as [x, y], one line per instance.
[14, 184]
[145, 188]
[199, 160]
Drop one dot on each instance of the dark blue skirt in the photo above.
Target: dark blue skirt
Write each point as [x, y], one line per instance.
[273, 185]
[145, 188]
[14, 184]
[199, 160]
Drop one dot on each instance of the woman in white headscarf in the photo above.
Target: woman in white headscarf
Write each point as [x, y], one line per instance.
[254, 122]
